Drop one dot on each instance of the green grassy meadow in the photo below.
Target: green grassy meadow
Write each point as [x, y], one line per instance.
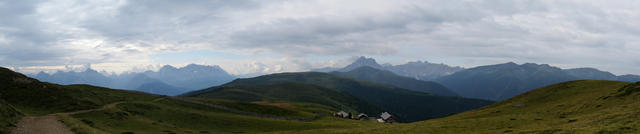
[171, 116]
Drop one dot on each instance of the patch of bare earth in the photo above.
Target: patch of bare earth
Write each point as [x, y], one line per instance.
[41, 125]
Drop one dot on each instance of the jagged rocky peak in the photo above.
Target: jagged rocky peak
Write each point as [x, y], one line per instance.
[417, 62]
[511, 64]
[362, 61]
[42, 73]
[167, 68]
[192, 67]
[365, 61]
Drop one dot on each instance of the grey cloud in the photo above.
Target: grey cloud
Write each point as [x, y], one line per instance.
[324, 36]
[378, 34]
[570, 33]
[28, 41]
[166, 20]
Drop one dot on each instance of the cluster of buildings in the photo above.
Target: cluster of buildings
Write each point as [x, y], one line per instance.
[385, 117]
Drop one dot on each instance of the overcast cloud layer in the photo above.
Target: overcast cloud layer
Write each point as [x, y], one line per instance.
[296, 35]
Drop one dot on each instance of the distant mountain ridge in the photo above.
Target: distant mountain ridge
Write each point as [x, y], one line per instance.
[503, 81]
[192, 76]
[595, 74]
[361, 62]
[371, 74]
[420, 70]
[423, 70]
[168, 80]
[493, 82]
[144, 83]
[88, 76]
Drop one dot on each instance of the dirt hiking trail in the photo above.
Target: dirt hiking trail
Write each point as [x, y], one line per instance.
[41, 125]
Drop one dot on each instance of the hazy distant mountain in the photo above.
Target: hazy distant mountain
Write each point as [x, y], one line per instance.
[144, 83]
[590, 74]
[502, 81]
[130, 81]
[158, 87]
[370, 74]
[325, 69]
[88, 76]
[422, 70]
[192, 76]
[595, 74]
[249, 75]
[629, 78]
[360, 62]
[167, 81]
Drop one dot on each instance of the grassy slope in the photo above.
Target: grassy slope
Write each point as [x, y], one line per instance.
[33, 97]
[21, 95]
[296, 92]
[180, 117]
[405, 104]
[570, 107]
[9, 117]
[278, 108]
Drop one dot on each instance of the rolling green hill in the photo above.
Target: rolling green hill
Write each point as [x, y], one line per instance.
[289, 91]
[371, 74]
[33, 97]
[21, 95]
[587, 106]
[407, 105]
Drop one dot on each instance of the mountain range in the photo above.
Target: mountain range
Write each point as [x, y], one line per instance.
[168, 80]
[420, 70]
[192, 76]
[490, 82]
[370, 74]
[89, 76]
[595, 74]
[503, 81]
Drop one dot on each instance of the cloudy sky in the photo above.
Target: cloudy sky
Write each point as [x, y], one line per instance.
[296, 35]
